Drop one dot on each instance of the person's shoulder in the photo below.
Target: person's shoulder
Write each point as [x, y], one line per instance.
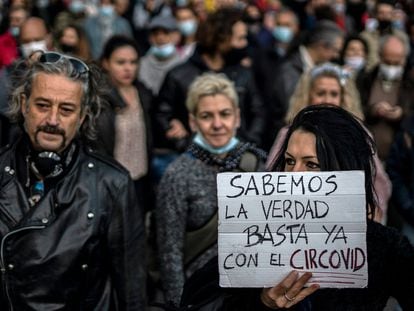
[103, 163]
[401, 34]
[182, 164]
[181, 69]
[4, 150]
[388, 240]
[376, 230]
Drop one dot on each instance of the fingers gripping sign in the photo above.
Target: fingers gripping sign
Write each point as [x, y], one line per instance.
[289, 291]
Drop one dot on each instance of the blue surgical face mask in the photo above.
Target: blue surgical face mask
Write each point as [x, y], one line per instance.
[398, 24]
[107, 10]
[76, 6]
[188, 27]
[199, 140]
[181, 3]
[339, 8]
[283, 34]
[163, 51]
[15, 31]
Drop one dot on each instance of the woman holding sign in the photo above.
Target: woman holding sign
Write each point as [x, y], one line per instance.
[186, 212]
[323, 138]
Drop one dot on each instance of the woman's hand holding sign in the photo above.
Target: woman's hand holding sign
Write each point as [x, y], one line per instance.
[288, 292]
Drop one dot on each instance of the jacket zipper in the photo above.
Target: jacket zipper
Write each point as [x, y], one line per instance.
[2, 265]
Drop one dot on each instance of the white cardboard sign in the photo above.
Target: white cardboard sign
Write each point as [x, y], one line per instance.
[273, 223]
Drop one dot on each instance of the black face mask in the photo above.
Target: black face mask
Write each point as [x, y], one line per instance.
[250, 20]
[384, 26]
[235, 56]
[66, 48]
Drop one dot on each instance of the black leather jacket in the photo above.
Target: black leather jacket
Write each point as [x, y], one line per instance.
[80, 247]
[172, 96]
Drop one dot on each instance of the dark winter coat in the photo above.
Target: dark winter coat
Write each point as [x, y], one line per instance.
[390, 273]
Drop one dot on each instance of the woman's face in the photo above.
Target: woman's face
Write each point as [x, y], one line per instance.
[300, 155]
[325, 90]
[354, 48]
[238, 39]
[70, 37]
[122, 66]
[217, 119]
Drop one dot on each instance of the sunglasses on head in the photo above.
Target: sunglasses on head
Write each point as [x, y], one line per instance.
[53, 57]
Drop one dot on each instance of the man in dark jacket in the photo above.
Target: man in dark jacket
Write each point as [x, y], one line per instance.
[72, 236]
[322, 44]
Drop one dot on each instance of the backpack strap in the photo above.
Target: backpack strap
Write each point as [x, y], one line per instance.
[198, 241]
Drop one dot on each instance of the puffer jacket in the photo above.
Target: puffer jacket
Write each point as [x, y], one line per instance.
[79, 248]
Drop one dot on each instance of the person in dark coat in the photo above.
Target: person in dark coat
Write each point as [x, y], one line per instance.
[124, 127]
[265, 60]
[319, 140]
[401, 172]
[322, 44]
[69, 217]
[387, 92]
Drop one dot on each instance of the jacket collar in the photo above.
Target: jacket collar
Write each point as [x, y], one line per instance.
[15, 211]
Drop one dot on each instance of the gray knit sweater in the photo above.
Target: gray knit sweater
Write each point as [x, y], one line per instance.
[186, 200]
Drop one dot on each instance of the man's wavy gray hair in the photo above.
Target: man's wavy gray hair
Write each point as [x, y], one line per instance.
[93, 86]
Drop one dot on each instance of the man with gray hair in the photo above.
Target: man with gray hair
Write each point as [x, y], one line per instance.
[387, 92]
[72, 236]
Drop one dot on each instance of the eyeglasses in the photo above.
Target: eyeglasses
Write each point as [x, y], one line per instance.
[53, 57]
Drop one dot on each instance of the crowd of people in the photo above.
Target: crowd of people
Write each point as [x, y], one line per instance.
[116, 117]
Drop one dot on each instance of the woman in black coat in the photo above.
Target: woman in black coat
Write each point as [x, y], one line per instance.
[319, 140]
[123, 126]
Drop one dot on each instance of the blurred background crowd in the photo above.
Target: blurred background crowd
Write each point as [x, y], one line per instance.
[280, 57]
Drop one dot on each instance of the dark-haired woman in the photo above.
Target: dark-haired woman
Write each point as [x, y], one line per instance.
[319, 140]
[354, 55]
[72, 40]
[123, 125]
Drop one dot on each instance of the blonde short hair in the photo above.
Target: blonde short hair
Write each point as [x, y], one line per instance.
[210, 84]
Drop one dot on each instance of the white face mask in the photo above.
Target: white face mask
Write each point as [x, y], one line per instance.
[391, 73]
[29, 48]
[355, 62]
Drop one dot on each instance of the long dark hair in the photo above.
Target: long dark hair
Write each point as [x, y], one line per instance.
[342, 144]
[116, 42]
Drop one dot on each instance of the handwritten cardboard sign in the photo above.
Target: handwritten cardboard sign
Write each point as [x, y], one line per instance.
[273, 223]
